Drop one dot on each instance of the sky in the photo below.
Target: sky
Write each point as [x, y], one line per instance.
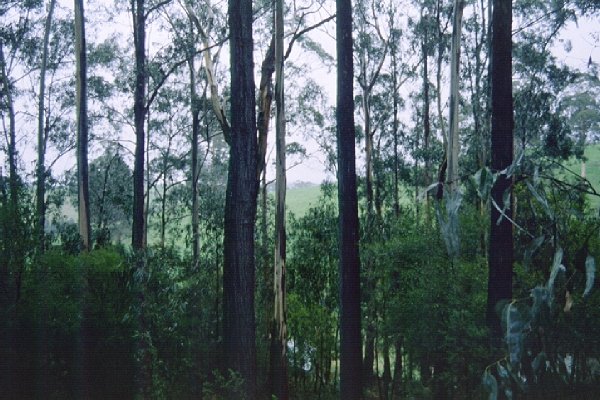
[577, 43]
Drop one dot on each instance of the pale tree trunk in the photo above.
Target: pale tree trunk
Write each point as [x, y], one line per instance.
[440, 58]
[453, 137]
[195, 110]
[83, 341]
[210, 74]
[43, 136]
[82, 128]
[426, 121]
[278, 338]
[367, 83]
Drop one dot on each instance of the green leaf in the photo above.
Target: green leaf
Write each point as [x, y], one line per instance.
[484, 180]
[542, 200]
[515, 323]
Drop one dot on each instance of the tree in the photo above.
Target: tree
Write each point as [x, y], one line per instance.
[350, 336]
[500, 257]
[110, 196]
[82, 128]
[240, 204]
[279, 333]
[42, 135]
[453, 139]
[139, 109]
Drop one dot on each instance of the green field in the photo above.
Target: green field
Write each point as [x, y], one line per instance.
[592, 170]
[300, 199]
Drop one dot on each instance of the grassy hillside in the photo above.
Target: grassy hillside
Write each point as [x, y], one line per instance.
[300, 199]
[592, 170]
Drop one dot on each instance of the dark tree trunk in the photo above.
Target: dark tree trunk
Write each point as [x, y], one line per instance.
[82, 128]
[501, 234]
[395, 132]
[139, 109]
[350, 335]
[240, 205]
[144, 373]
[15, 260]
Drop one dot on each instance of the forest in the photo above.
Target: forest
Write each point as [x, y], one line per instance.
[149, 249]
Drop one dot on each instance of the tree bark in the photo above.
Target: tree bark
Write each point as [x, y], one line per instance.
[500, 258]
[349, 262]
[453, 139]
[139, 109]
[279, 334]
[426, 121]
[82, 128]
[15, 262]
[42, 136]
[240, 205]
[195, 110]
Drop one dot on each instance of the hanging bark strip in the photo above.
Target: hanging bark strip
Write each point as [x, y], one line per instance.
[279, 334]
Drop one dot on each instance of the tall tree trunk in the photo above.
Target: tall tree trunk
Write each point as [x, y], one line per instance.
[83, 340]
[501, 234]
[440, 58]
[139, 109]
[15, 262]
[240, 205]
[349, 264]
[42, 136]
[397, 380]
[395, 133]
[82, 128]
[453, 139]
[195, 110]
[426, 121]
[387, 369]
[278, 338]
[144, 373]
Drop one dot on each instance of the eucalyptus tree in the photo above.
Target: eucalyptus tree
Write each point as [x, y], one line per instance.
[453, 135]
[41, 169]
[349, 262]
[372, 48]
[16, 37]
[82, 128]
[500, 257]
[475, 73]
[279, 333]
[240, 204]
[167, 169]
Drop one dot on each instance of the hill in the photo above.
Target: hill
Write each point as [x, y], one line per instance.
[300, 198]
